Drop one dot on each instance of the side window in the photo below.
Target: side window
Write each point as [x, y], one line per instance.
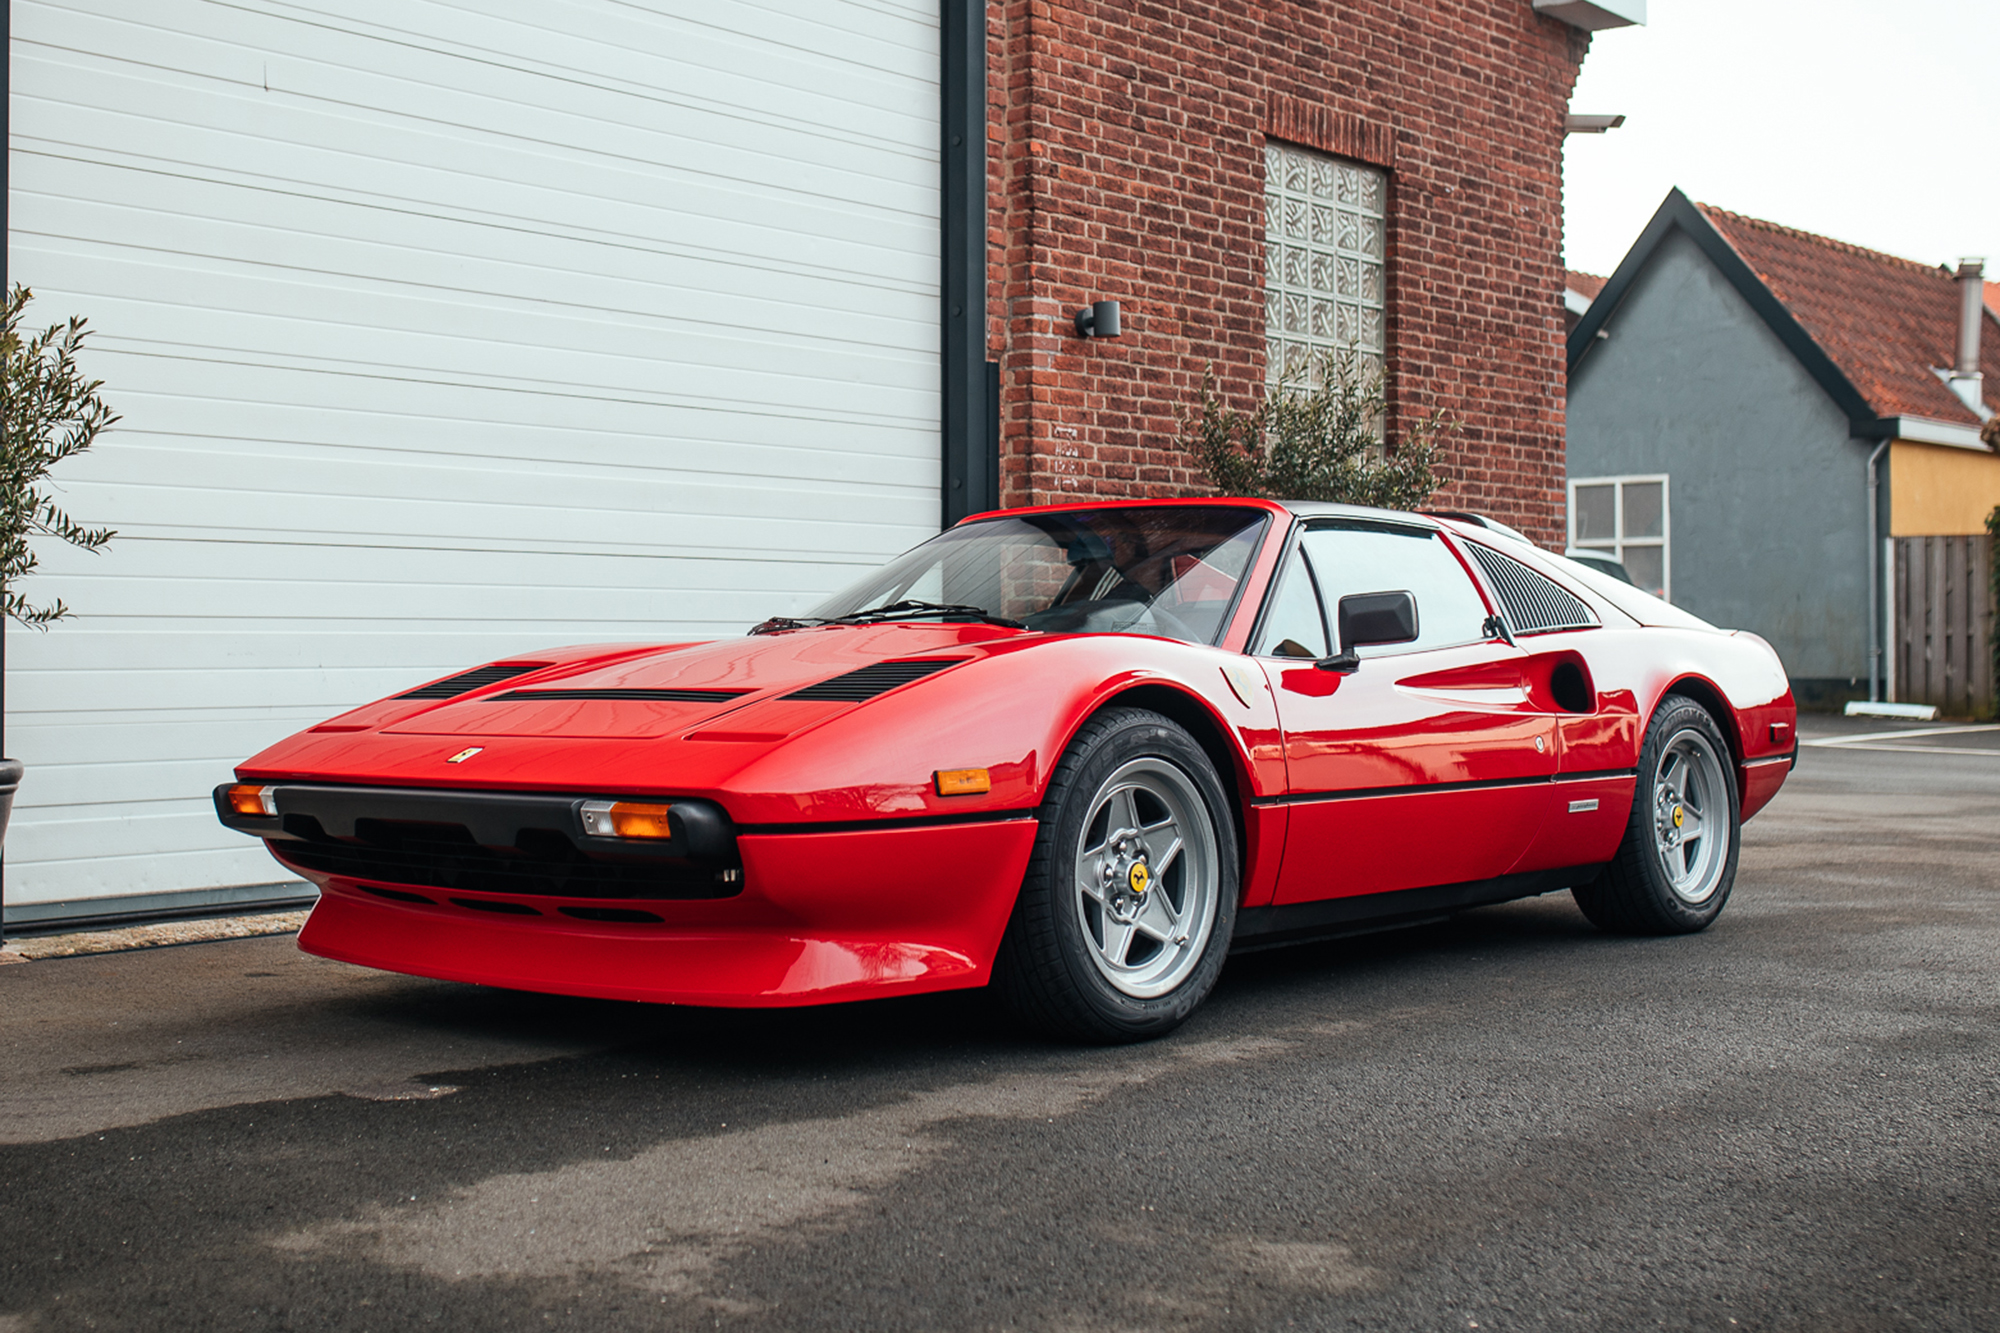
[1293, 626]
[1348, 560]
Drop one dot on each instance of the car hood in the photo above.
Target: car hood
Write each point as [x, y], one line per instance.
[763, 686]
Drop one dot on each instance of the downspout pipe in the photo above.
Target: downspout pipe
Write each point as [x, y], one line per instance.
[1875, 572]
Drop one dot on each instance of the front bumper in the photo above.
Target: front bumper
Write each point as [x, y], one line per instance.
[817, 917]
[476, 840]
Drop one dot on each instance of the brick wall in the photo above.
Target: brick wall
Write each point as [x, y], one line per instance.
[1126, 158]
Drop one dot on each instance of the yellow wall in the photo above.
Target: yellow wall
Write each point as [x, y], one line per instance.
[1936, 490]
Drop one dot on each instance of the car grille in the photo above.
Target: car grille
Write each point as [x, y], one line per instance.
[444, 856]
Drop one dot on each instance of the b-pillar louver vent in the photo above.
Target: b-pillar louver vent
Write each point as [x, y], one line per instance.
[1534, 604]
[870, 681]
[477, 679]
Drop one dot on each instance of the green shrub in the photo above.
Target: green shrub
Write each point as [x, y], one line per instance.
[52, 413]
[1319, 441]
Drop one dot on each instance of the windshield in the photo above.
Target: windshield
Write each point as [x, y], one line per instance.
[1170, 571]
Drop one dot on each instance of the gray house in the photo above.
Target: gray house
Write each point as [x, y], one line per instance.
[1755, 411]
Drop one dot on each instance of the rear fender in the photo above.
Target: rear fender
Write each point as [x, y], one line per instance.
[1762, 736]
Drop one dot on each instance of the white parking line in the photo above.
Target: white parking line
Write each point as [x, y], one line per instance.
[1919, 749]
[1872, 736]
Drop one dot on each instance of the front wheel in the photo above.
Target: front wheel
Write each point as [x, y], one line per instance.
[1130, 898]
[1677, 864]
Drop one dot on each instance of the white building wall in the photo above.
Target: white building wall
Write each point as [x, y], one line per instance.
[444, 330]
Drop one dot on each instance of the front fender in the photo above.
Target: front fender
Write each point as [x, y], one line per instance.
[1012, 711]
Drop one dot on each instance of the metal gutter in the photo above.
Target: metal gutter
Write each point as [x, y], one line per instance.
[1927, 430]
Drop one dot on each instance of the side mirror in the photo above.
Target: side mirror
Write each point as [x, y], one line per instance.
[1371, 617]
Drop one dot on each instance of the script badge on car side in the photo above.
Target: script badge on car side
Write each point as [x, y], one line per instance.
[465, 754]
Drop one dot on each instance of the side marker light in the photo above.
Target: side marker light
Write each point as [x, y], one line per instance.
[248, 799]
[962, 781]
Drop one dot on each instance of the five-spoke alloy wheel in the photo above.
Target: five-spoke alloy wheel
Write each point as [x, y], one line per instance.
[1146, 877]
[1677, 864]
[1130, 897]
[1690, 809]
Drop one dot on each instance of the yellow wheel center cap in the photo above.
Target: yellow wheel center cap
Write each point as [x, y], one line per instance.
[1139, 878]
[1679, 818]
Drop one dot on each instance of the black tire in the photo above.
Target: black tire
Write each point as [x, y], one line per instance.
[1056, 970]
[1637, 894]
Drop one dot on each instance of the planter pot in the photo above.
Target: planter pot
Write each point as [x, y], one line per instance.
[10, 782]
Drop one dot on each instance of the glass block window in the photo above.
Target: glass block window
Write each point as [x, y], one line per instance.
[1626, 519]
[1325, 284]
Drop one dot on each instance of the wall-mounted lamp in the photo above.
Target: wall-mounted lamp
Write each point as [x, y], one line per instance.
[1099, 319]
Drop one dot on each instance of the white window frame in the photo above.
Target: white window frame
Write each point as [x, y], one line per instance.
[1616, 547]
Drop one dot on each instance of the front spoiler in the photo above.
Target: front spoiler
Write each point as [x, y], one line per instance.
[822, 917]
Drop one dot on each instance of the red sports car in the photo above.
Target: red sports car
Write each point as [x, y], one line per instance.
[1077, 752]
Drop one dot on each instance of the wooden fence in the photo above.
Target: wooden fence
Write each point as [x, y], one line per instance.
[1941, 604]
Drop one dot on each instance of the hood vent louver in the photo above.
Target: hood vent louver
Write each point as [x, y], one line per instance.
[1534, 604]
[641, 696]
[870, 681]
[477, 679]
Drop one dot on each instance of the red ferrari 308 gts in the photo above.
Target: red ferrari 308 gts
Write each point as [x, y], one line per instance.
[1077, 752]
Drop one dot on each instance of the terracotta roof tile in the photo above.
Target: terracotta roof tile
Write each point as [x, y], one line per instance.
[1589, 284]
[1884, 321]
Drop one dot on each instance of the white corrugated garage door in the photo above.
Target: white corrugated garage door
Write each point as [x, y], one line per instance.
[443, 330]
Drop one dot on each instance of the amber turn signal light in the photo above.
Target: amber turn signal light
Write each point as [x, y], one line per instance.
[248, 799]
[632, 820]
[626, 819]
[962, 781]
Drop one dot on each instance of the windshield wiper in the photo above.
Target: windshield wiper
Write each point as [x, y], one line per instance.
[908, 609]
[911, 609]
[776, 623]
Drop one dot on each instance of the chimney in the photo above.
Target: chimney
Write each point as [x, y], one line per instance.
[1966, 381]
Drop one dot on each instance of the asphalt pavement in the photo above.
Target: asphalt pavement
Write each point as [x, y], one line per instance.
[1790, 1121]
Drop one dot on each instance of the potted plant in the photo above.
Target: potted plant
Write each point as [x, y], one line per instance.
[1321, 440]
[52, 412]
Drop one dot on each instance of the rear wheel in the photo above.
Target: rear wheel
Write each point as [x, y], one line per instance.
[1677, 864]
[1130, 898]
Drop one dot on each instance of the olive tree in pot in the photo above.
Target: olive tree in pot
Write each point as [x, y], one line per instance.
[52, 412]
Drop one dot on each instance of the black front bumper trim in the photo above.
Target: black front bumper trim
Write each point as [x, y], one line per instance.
[702, 832]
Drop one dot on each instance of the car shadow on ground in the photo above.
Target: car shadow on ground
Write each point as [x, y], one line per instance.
[925, 1027]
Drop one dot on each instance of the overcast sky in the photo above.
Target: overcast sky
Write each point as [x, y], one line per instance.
[1872, 121]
